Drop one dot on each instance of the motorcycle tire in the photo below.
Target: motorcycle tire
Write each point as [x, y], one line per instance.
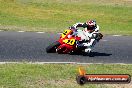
[52, 47]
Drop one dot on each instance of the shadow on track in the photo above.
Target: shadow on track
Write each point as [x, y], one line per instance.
[99, 54]
[93, 54]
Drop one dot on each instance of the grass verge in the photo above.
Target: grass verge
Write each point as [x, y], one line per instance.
[113, 16]
[26, 75]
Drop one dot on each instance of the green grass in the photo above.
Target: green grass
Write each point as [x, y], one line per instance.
[26, 75]
[114, 17]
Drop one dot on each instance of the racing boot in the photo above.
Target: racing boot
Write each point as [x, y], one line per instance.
[87, 52]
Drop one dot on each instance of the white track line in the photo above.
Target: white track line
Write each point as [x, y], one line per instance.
[61, 33]
[59, 63]
[40, 32]
[116, 35]
[21, 31]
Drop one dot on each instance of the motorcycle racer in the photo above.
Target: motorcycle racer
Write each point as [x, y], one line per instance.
[89, 36]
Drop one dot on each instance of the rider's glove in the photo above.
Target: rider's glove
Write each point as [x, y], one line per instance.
[98, 36]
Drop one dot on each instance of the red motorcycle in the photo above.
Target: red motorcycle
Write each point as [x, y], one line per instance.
[65, 45]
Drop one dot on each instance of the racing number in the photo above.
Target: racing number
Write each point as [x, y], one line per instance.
[69, 41]
[65, 33]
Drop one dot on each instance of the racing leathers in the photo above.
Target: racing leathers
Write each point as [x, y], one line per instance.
[89, 37]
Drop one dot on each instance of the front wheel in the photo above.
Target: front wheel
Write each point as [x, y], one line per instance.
[52, 48]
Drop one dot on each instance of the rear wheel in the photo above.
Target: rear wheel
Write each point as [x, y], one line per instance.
[52, 47]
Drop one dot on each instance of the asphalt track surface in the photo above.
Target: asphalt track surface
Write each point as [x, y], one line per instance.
[30, 46]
